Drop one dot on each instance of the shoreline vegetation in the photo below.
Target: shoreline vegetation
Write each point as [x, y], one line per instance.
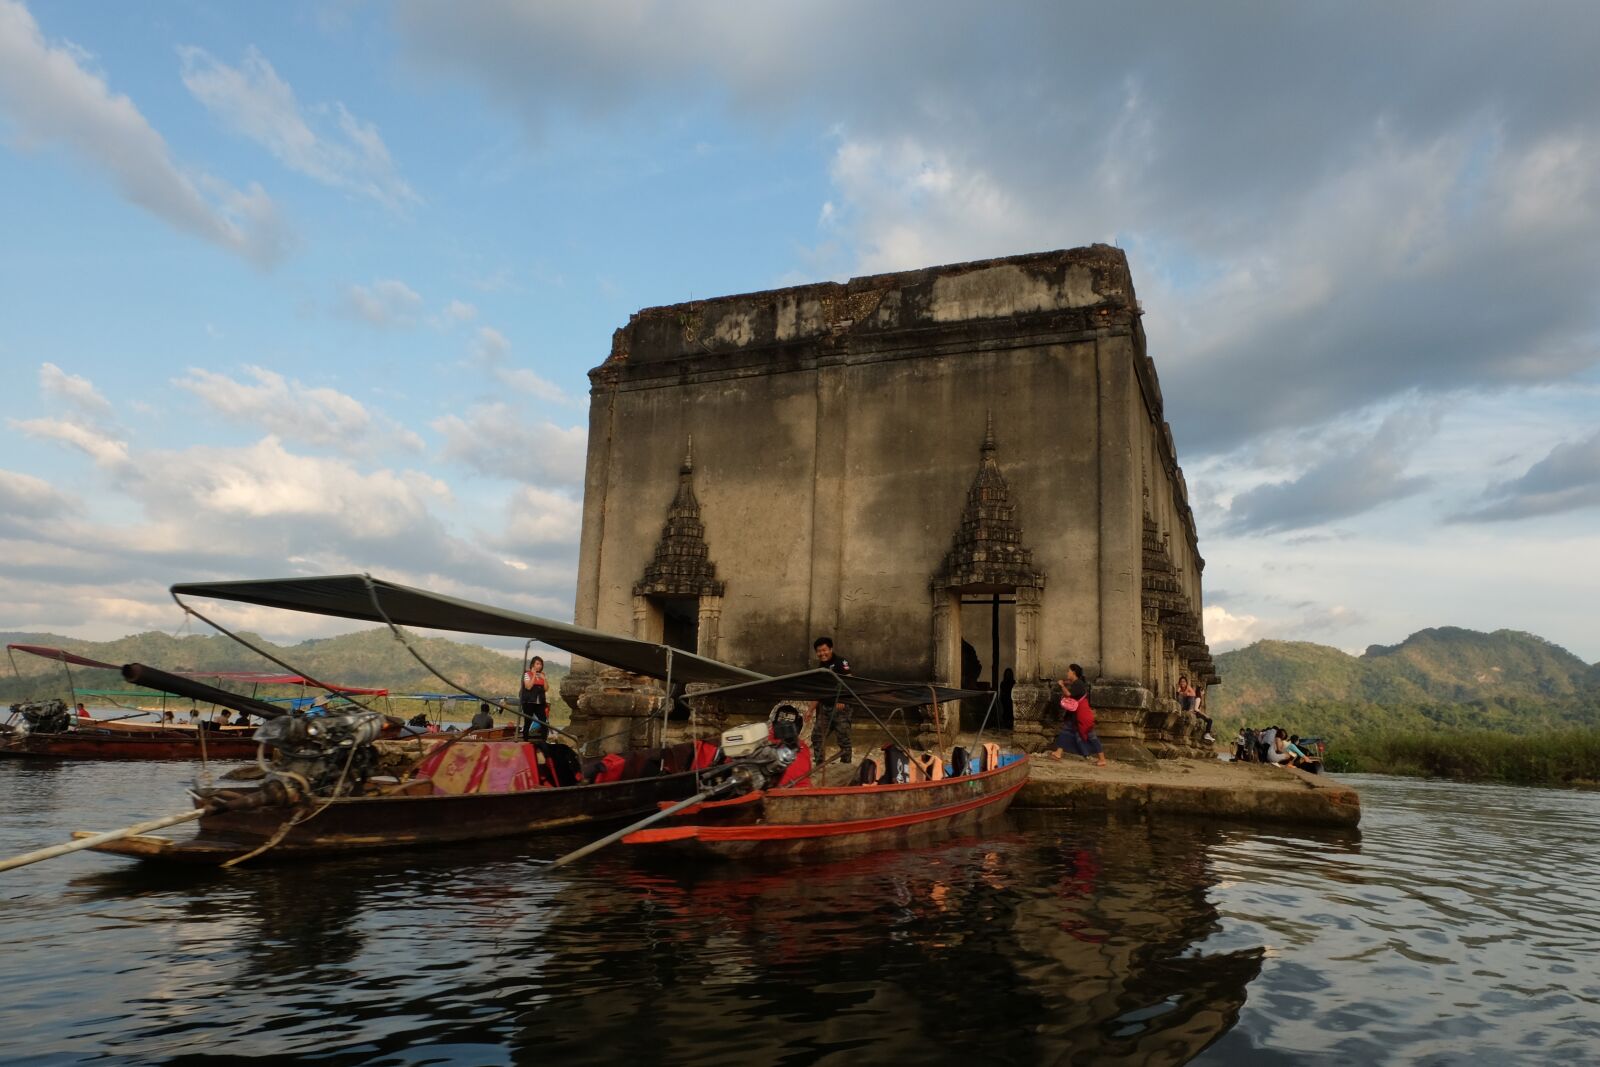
[1569, 757]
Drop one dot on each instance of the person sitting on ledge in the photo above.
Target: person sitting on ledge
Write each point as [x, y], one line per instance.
[1077, 725]
[483, 720]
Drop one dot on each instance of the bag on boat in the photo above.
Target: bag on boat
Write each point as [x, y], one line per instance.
[868, 774]
[564, 765]
[896, 766]
[607, 768]
[960, 762]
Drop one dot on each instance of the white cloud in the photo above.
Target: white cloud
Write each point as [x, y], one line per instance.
[539, 519]
[342, 152]
[492, 352]
[386, 303]
[54, 98]
[74, 389]
[460, 311]
[500, 440]
[315, 415]
[102, 447]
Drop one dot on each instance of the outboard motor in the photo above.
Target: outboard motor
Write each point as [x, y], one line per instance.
[331, 752]
[43, 716]
[750, 753]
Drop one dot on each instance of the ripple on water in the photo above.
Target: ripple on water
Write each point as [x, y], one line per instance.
[1460, 924]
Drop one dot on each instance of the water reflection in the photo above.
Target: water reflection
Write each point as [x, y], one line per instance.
[1430, 935]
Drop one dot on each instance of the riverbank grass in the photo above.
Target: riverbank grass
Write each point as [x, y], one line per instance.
[1559, 757]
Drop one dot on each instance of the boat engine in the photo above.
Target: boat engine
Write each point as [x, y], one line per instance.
[332, 752]
[751, 754]
[44, 716]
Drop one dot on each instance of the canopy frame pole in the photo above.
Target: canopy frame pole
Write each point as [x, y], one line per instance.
[978, 742]
[372, 590]
[308, 680]
[842, 684]
[666, 712]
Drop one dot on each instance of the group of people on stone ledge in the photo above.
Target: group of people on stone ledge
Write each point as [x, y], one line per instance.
[1276, 747]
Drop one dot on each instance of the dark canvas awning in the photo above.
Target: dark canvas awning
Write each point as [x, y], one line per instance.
[62, 655]
[351, 596]
[252, 677]
[822, 684]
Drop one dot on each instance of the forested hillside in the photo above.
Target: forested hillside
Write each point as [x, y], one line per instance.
[369, 658]
[1446, 677]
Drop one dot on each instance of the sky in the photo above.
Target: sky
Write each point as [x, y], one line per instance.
[314, 288]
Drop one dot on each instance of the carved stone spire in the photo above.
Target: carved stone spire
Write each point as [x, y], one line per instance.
[988, 549]
[682, 563]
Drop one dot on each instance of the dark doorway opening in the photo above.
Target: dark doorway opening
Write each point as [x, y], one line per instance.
[989, 647]
[680, 629]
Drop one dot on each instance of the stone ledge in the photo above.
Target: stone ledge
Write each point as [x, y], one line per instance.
[1208, 788]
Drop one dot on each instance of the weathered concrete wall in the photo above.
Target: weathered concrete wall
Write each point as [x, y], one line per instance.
[837, 430]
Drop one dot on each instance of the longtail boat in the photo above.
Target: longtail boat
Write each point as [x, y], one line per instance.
[322, 792]
[48, 729]
[797, 814]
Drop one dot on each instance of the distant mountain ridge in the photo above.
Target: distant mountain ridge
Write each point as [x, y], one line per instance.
[1445, 675]
[369, 658]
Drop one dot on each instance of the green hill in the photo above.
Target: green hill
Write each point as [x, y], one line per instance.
[369, 658]
[1446, 677]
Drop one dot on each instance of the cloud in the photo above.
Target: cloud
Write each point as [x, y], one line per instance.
[386, 303]
[539, 522]
[27, 503]
[501, 440]
[1306, 244]
[460, 311]
[1352, 477]
[53, 98]
[1565, 480]
[325, 143]
[314, 415]
[492, 353]
[76, 390]
[99, 445]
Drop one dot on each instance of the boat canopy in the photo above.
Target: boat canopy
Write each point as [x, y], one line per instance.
[250, 677]
[357, 596]
[819, 683]
[62, 655]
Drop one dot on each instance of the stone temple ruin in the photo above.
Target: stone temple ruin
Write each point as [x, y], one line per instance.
[960, 473]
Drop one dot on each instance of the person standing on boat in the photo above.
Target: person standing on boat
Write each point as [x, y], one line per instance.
[831, 715]
[535, 702]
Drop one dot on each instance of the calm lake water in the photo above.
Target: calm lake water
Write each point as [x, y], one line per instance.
[1461, 925]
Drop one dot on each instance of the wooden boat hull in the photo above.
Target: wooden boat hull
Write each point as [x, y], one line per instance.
[108, 745]
[374, 823]
[792, 823]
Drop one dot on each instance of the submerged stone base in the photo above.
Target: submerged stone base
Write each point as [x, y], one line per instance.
[1209, 788]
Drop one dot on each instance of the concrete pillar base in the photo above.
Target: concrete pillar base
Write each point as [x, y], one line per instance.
[1119, 710]
[619, 711]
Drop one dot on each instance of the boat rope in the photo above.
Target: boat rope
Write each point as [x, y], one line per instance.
[269, 657]
[377, 605]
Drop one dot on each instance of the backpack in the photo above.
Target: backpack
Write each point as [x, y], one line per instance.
[960, 762]
[896, 766]
[566, 768]
[868, 774]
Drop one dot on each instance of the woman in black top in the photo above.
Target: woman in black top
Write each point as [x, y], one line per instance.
[535, 701]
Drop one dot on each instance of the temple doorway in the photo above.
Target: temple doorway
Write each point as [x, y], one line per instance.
[680, 629]
[988, 633]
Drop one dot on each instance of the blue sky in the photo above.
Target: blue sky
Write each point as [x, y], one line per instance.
[316, 287]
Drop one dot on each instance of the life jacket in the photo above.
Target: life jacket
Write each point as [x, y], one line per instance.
[607, 768]
[990, 758]
[931, 765]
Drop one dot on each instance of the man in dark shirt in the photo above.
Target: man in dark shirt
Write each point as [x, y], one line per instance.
[830, 715]
[483, 720]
